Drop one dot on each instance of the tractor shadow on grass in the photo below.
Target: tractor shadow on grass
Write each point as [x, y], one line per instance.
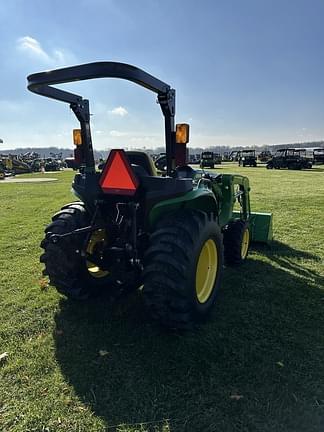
[257, 364]
[290, 259]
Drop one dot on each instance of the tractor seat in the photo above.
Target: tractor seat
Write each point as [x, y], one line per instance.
[143, 160]
[139, 171]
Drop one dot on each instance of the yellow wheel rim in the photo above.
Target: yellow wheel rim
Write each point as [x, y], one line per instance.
[97, 241]
[245, 243]
[206, 270]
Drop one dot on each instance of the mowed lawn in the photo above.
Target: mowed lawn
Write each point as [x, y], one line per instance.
[256, 365]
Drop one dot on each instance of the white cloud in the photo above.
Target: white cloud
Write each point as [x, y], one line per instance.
[33, 48]
[147, 139]
[119, 111]
[116, 133]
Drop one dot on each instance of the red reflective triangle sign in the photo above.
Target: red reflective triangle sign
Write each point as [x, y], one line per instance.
[118, 176]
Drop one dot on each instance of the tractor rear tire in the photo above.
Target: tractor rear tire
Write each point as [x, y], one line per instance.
[236, 242]
[65, 266]
[183, 268]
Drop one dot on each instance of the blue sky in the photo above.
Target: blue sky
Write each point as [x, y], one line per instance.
[246, 72]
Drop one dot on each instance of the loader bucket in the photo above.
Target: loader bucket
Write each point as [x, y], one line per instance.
[261, 226]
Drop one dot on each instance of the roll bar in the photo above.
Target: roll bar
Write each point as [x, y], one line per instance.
[42, 83]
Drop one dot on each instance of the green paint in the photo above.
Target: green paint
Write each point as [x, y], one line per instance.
[200, 198]
[219, 196]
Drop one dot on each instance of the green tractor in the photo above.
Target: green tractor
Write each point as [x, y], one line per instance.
[166, 235]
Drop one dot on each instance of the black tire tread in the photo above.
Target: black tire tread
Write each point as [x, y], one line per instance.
[63, 265]
[232, 242]
[165, 267]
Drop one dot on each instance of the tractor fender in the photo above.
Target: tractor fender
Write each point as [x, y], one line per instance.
[201, 198]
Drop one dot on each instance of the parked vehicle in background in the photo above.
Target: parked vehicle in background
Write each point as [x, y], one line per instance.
[265, 155]
[247, 158]
[306, 155]
[226, 157]
[290, 158]
[193, 159]
[59, 159]
[207, 160]
[51, 164]
[15, 165]
[2, 170]
[217, 158]
[318, 155]
[234, 156]
[36, 164]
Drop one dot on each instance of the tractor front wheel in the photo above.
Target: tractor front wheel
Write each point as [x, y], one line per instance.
[182, 268]
[73, 274]
[236, 242]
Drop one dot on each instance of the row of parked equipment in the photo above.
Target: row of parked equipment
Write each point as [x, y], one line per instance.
[291, 158]
[29, 162]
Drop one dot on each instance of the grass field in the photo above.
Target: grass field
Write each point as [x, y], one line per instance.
[257, 365]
